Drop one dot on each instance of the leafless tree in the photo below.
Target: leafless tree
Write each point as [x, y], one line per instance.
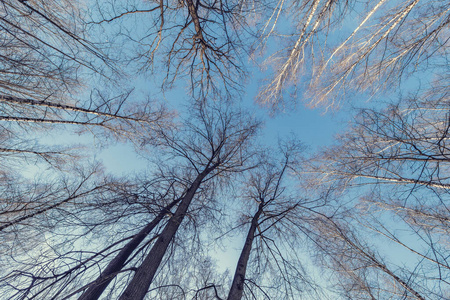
[43, 48]
[30, 212]
[402, 145]
[202, 41]
[47, 65]
[103, 215]
[125, 222]
[213, 146]
[387, 41]
[395, 162]
[360, 271]
[23, 201]
[97, 287]
[270, 250]
[45, 53]
[124, 238]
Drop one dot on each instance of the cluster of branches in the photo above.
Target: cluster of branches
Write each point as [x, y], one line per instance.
[388, 41]
[45, 62]
[396, 161]
[203, 41]
[311, 43]
[126, 239]
[209, 146]
[43, 48]
[88, 236]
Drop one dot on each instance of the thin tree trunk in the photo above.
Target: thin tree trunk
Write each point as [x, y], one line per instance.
[48, 121]
[138, 286]
[405, 285]
[378, 264]
[64, 107]
[96, 289]
[43, 210]
[237, 287]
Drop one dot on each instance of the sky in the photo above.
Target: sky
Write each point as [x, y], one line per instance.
[316, 128]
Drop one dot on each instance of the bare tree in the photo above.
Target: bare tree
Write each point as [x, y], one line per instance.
[125, 221]
[202, 41]
[97, 287]
[29, 216]
[267, 190]
[43, 48]
[271, 236]
[404, 144]
[108, 237]
[48, 64]
[388, 41]
[45, 56]
[212, 147]
[29, 201]
[360, 271]
[395, 161]
[103, 215]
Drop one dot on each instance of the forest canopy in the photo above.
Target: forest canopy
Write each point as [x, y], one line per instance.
[219, 208]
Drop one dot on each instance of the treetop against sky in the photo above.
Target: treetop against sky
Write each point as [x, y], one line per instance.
[144, 141]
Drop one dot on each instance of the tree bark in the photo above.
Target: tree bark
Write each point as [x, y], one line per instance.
[96, 289]
[65, 107]
[237, 287]
[138, 286]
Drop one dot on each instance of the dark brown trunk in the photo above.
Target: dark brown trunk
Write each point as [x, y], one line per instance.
[96, 289]
[237, 287]
[138, 286]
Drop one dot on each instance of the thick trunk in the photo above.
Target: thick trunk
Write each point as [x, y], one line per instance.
[237, 287]
[100, 284]
[138, 286]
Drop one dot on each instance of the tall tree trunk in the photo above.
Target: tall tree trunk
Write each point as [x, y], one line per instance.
[96, 289]
[237, 287]
[138, 286]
